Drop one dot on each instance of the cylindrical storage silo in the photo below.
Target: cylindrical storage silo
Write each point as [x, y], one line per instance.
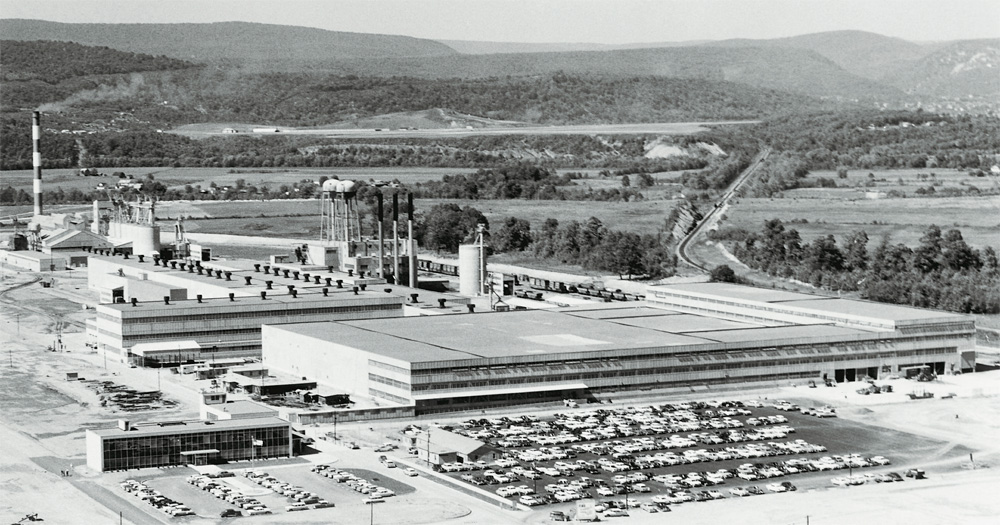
[145, 239]
[471, 268]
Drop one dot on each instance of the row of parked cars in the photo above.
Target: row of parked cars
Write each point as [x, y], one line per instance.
[169, 506]
[225, 492]
[373, 493]
[601, 424]
[298, 498]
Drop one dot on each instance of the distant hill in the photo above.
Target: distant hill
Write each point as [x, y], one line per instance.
[471, 47]
[860, 52]
[44, 71]
[227, 41]
[958, 69]
[786, 69]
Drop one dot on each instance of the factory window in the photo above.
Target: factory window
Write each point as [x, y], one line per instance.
[387, 381]
[386, 366]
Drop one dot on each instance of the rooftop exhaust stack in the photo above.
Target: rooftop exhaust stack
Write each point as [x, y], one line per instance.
[140, 257]
[355, 290]
[317, 280]
[441, 303]
[135, 302]
[166, 299]
[410, 243]
[256, 268]
[381, 243]
[268, 283]
[326, 292]
[36, 158]
[247, 277]
[295, 293]
[263, 294]
[199, 298]
[395, 237]
[232, 297]
[471, 307]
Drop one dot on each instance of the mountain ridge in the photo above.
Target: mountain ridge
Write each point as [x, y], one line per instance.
[225, 41]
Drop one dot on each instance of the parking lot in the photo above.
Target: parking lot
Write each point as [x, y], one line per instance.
[655, 457]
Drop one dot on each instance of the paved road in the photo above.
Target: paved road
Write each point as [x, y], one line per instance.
[673, 128]
[130, 509]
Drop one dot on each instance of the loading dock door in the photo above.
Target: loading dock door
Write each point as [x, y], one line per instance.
[838, 375]
[850, 375]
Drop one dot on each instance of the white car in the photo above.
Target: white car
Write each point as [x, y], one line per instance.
[776, 487]
[530, 501]
[739, 491]
[879, 460]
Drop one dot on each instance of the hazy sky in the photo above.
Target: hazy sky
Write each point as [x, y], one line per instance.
[594, 21]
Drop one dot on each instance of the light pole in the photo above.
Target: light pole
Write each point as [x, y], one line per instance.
[371, 514]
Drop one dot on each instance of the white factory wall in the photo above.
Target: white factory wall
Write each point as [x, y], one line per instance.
[33, 261]
[337, 366]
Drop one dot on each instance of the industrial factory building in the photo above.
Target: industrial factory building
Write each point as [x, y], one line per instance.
[686, 335]
[217, 308]
[130, 446]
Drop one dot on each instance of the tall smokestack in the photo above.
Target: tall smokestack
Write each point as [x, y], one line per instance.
[381, 243]
[395, 237]
[36, 158]
[410, 243]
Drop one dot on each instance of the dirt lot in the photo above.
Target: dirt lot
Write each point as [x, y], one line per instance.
[43, 417]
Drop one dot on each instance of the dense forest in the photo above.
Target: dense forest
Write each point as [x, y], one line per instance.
[942, 272]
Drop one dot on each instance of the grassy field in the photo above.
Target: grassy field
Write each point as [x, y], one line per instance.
[178, 177]
[257, 218]
[906, 181]
[904, 220]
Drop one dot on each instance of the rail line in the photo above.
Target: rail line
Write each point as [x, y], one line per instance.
[682, 246]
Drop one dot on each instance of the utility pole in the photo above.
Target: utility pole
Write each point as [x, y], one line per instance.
[335, 426]
[429, 447]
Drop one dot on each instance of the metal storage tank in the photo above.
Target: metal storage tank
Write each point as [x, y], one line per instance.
[471, 269]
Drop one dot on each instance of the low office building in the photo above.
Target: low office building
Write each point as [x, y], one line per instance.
[441, 446]
[129, 446]
[494, 359]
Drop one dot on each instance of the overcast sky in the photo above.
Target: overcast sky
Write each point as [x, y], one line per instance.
[591, 21]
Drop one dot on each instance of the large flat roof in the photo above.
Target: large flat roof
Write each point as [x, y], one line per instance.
[737, 291]
[818, 305]
[189, 427]
[775, 333]
[276, 301]
[487, 335]
[684, 323]
[874, 310]
[619, 311]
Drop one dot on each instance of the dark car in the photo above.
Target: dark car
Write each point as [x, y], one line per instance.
[230, 513]
[894, 476]
[916, 473]
[558, 515]
[755, 490]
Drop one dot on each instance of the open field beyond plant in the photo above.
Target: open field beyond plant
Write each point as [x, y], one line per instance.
[904, 220]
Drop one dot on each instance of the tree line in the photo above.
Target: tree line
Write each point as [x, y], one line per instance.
[943, 272]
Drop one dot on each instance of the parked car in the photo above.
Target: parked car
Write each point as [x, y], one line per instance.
[410, 471]
[230, 513]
